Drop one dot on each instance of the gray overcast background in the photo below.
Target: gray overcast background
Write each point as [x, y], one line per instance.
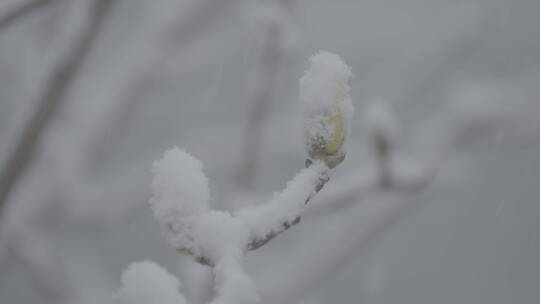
[188, 73]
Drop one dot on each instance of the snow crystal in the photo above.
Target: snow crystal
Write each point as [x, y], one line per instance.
[148, 283]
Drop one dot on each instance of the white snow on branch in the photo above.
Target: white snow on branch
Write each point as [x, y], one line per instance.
[179, 192]
[190, 225]
[219, 239]
[274, 216]
[148, 283]
[180, 188]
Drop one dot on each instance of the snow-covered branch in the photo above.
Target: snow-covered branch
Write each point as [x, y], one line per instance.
[220, 239]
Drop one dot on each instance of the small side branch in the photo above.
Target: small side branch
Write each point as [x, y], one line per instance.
[258, 243]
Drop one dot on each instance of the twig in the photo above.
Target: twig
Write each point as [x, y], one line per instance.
[257, 243]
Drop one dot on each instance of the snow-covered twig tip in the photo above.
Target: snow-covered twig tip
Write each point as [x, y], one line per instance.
[179, 191]
[179, 188]
[327, 106]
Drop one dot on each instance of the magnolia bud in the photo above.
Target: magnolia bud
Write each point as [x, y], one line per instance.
[324, 94]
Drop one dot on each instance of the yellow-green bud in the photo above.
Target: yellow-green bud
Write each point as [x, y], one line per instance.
[324, 94]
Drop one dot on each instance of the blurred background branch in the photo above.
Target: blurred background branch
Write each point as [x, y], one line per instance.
[21, 11]
[50, 100]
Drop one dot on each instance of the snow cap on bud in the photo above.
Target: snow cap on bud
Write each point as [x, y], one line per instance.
[179, 188]
[324, 95]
